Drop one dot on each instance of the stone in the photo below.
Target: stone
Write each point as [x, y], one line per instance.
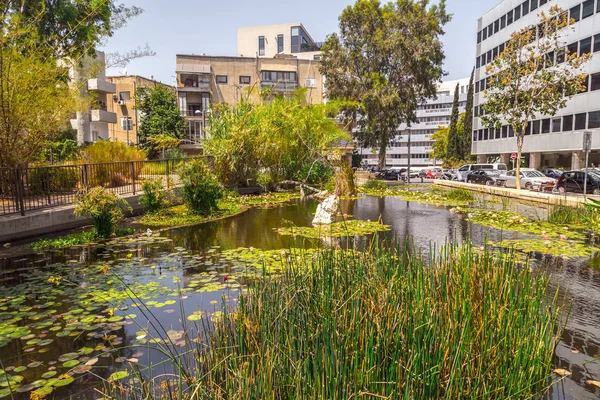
[326, 211]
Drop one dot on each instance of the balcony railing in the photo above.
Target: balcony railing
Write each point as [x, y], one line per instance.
[197, 87]
[279, 86]
[194, 113]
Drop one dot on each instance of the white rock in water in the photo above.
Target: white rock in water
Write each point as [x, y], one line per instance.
[326, 211]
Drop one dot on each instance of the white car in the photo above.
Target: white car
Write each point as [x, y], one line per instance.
[530, 179]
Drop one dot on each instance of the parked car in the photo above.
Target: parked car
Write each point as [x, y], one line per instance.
[466, 169]
[552, 172]
[530, 179]
[573, 181]
[390, 175]
[484, 177]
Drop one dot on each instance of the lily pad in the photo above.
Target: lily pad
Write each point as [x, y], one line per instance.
[49, 374]
[118, 376]
[68, 357]
[70, 363]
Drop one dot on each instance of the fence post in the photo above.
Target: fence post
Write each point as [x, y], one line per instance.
[133, 176]
[20, 189]
[167, 172]
[84, 177]
[48, 197]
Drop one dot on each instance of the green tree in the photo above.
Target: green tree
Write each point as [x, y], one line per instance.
[440, 144]
[161, 117]
[525, 82]
[454, 149]
[386, 60]
[467, 137]
[36, 100]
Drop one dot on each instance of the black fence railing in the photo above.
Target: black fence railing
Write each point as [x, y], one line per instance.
[35, 188]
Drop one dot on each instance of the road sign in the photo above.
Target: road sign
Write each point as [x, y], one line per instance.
[513, 156]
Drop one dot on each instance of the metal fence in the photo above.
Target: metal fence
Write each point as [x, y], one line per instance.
[28, 189]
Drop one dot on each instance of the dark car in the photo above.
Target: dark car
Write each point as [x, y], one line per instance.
[552, 172]
[486, 177]
[573, 181]
[390, 175]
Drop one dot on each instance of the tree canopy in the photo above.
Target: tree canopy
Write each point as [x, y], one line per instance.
[534, 75]
[386, 61]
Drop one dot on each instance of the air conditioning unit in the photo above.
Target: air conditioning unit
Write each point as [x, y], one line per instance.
[121, 102]
[310, 83]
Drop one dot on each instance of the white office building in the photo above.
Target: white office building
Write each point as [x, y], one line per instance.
[431, 115]
[551, 140]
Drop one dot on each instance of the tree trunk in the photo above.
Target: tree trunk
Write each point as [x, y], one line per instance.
[520, 137]
[344, 179]
[382, 154]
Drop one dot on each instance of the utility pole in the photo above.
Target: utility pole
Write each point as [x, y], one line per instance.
[408, 169]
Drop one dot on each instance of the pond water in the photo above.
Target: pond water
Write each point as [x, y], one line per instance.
[73, 309]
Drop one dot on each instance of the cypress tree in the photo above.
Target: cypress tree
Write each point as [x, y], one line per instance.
[454, 149]
[467, 138]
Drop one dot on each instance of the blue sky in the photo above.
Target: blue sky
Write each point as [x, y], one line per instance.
[173, 27]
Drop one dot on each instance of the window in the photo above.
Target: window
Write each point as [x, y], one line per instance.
[560, 57]
[261, 45]
[496, 26]
[279, 43]
[595, 82]
[244, 80]
[580, 120]
[484, 33]
[504, 131]
[594, 120]
[503, 21]
[542, 2]
[494, 53]
[127, 123]
[597, 42]
[546, 125]
[222, 79]
[556, 124]
[509, 17]
[479, 35]
[478, 62]
[585, 46]
[534, 4]
[572, 48]
[586, 84]
[525, 7]
[511, 132]
[490, 30]
[501, 48]
[125, 95]
[575, 12]
[588, 9]
[567, 123]
[517, 13]
[535, 127]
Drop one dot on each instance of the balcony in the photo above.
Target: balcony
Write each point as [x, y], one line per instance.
[194, 113]
[101, 86]
[193, 82]
[103, 116]
[279, 86]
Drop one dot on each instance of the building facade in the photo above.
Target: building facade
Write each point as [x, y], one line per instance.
[431, 116]
[206, 80]
[271, 40]
[90, 76]
[123, 104]
[551, 140]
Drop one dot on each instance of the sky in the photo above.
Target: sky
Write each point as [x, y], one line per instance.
[173, 27]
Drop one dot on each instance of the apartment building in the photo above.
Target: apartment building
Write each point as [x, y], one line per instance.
[123, 103]
[270, 40]
[431, 116]
[93, 123]
[205, 80]
[551, 140]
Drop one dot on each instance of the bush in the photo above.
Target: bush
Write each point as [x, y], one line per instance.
[154, 195]
[53, 179]
[374, 184]
[316, 173]
[105, 151]
[201, 189]
[104, 207]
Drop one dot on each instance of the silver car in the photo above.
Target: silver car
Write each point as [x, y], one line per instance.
[530, 179]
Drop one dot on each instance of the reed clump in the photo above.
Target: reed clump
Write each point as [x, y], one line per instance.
[386, 325]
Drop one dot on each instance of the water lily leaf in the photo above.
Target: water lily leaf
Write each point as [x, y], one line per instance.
[64, 382]
[194, 317]
[68, 357]
[91, 361]
[49, 374]
[20, 369]
[70, 363]
[80, 369]
[34, 364]
[26, 388]
[85, 350]
[42, 392]
[118, 376]
[45, 342]
[561, 372]
[115, 318]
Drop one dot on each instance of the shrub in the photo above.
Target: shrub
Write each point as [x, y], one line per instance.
[105, 151]
[53, 179]
[201, 189]
[374, 184]
[154, 195]
[104, 207]
[317, 173]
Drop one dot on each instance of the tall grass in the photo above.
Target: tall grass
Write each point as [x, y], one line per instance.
[567, 215]
[386, 325]
[460, 194]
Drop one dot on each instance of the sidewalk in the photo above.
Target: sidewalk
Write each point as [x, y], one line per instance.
[572, 199]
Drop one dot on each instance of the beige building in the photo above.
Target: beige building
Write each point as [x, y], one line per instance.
[204, 80]
[122, 104]
[271, 40]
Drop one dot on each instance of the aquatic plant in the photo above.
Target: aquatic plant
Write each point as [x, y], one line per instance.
[104, 207]
[386, 325]
[337, 229]
[201, 189]
[264, 200]
[558, 248]
[437, 196]
[75, 239]
[153, 197]
[374, 184]
[180, 215]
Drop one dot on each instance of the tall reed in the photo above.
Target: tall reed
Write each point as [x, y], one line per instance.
[390, 324]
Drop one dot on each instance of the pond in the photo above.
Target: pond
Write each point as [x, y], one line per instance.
[73, 310]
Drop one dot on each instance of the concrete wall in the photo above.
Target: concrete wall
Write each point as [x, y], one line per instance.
[247, 41]
[37, 223]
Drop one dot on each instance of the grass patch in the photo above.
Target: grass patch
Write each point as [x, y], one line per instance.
[390, 325]
[180, 215]
[75, 239]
